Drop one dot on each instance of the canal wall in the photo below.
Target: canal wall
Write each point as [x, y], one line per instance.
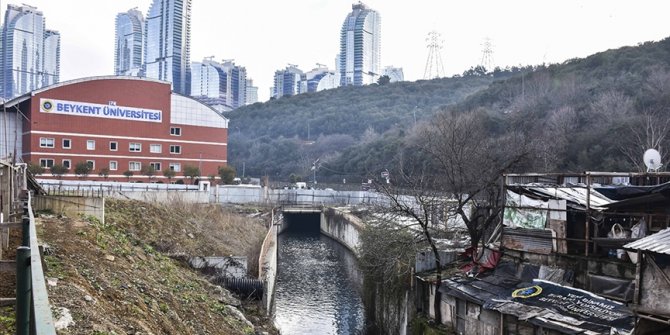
[342, 227]
[267, 264]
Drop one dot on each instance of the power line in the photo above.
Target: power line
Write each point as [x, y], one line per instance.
[434, 67]
[487, 55]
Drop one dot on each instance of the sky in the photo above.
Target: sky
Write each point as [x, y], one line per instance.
[267, 35]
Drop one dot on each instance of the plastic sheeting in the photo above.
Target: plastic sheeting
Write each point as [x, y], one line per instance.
[612, 287]
[518, 213]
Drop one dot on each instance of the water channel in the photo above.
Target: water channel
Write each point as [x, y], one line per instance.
[318, 289]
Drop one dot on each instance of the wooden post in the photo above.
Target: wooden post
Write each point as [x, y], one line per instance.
[638, 278]
[588, 214]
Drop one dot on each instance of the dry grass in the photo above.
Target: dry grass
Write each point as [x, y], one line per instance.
[113, 278]
[180, 228]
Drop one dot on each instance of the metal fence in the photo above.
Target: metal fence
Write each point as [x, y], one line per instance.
[102, 189]
[33, 313]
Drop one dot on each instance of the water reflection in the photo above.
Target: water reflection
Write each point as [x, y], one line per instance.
[317, 290]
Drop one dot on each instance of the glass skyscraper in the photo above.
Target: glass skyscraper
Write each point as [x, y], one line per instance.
[217, 83]
[51, 58]
[129, 43]
[287, 82]
[30, 54]
[360, 47]
[167, 43]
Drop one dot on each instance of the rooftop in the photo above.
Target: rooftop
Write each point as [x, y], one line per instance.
[658, 243]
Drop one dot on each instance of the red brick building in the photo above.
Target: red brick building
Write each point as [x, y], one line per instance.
[118, 123]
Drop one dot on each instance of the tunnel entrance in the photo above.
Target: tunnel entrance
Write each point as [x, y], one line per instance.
[303, 223]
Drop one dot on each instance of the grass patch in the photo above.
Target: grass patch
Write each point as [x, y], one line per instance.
[7, 320]
[422, 326]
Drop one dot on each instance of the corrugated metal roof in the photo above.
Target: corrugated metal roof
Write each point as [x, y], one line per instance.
[574, 194]
[658, 243]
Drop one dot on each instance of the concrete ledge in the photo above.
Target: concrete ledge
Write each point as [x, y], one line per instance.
[71, 206]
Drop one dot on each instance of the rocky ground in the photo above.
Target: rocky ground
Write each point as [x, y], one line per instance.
[121, 277]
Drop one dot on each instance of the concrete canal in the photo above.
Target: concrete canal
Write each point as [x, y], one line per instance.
[318, 288]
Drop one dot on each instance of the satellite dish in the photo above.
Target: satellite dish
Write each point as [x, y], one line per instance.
[652, 159]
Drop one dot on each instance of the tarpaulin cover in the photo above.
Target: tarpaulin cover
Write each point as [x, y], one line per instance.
[627, 192]
[579, 304]
[524, 217]
[613, 287]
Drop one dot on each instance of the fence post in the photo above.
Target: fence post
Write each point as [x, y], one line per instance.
[23, 290]
[25, 227]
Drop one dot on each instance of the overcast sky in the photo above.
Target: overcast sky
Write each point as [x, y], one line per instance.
[266, 35]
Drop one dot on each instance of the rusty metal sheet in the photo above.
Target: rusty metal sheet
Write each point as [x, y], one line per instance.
[532, 240]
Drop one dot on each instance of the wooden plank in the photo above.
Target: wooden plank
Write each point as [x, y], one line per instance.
[10, 225]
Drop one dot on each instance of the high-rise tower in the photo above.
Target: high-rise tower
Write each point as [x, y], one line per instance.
[30, 54]
[219, 83]
[51, 58]
[167, 43]
[360, 47]
[129, 43]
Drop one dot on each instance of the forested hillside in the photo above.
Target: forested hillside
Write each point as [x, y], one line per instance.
[284, 136]
[597, 113]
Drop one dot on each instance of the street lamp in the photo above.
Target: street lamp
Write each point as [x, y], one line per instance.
[314, 168]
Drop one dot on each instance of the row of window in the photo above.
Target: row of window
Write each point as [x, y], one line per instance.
[47, 142]
[113, 165]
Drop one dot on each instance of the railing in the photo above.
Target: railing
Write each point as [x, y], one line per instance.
[99, 189]
[33, 314]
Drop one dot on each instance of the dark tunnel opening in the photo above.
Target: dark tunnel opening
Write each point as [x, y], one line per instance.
[302, 223]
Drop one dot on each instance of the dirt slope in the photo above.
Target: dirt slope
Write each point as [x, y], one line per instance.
[116, 278]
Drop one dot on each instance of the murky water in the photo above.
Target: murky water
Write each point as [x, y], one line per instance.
[317, 290]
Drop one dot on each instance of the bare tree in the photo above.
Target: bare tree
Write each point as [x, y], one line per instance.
[650, 130]
[464, 165]
[611, 106]
[552, 140]
[470, 161]
[411, 207]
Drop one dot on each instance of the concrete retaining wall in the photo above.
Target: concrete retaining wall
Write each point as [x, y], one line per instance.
[193, 197]
[238, 194]
[71, 206]
[342, 227]
[267, 267]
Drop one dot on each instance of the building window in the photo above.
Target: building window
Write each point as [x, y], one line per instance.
[46, 162]
[156, 166]
[91, 164]
[134, 166]
[67, 163]
[175, 131]
[155, 148]
[90, 145]
[175, 149]
[113, 165]
[67, 143]
[176, 167]
[113, 146]
[135, 147]
[47, 142]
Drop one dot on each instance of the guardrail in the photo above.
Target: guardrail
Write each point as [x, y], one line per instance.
[33, 313]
